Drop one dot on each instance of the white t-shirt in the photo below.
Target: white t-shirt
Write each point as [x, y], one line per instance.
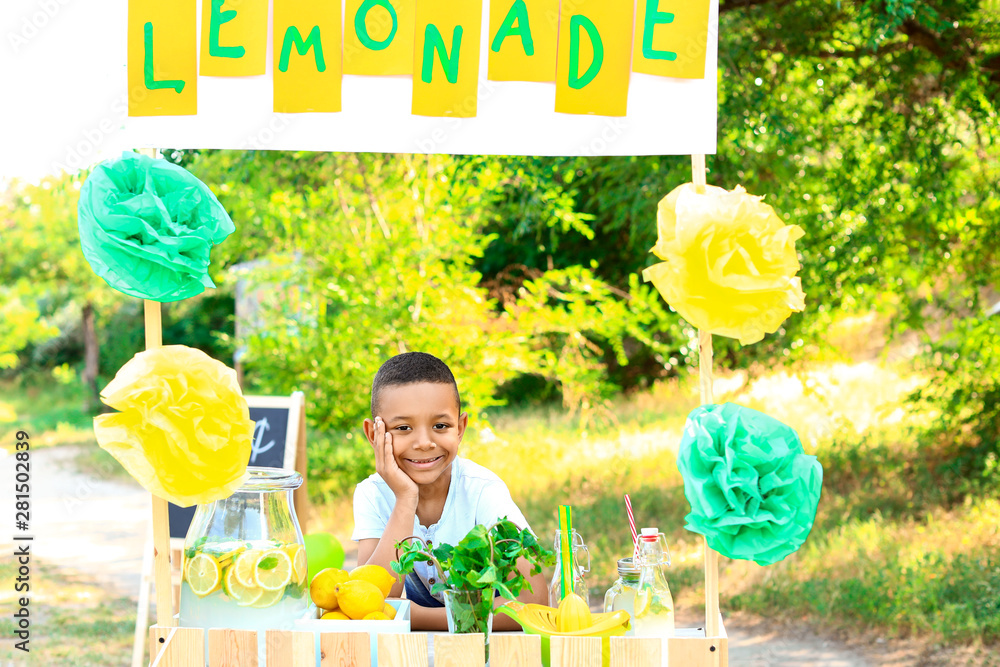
[475, 496]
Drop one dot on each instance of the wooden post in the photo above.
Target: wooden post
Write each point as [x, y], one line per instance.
[301, 495]
[705, 382]
[161, 519]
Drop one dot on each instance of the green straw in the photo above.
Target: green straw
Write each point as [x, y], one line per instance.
[565, 554]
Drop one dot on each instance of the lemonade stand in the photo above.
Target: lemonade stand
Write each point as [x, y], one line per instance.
[531, 77]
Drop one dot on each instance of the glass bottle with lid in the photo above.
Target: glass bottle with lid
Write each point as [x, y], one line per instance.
[579, 549]
[621, 595]
[654, 605]
[244, 561]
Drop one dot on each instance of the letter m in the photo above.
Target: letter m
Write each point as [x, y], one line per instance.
[294, 37]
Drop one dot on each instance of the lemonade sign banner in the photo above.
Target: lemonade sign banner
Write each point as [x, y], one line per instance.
[534, 77]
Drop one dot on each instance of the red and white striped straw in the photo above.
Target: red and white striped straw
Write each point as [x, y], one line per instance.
[631, 525]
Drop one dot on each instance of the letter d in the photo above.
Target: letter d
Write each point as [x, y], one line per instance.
[575, 23]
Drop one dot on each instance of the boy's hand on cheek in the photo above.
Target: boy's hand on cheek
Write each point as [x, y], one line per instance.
[386, 466]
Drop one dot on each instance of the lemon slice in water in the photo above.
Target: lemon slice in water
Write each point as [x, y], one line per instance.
[274, 570]
[203, 574]
[269, 598]
[298, 555]
[242, 595]
[642, 600]
[245, 567]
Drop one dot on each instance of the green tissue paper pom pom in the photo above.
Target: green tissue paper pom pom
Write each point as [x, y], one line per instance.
[753, 490]
[147, 227]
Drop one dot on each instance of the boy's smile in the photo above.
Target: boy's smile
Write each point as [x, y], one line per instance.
[426, 429]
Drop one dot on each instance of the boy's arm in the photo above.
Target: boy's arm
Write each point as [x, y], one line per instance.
[539, 594]
[428, 618]
[382, 551]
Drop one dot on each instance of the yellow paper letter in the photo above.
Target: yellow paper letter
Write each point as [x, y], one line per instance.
[670, 38]
[523, 37]
[162, 58]
[594, 51]
[233, 37]
[446, 58]
[378, 37]
[307, 63]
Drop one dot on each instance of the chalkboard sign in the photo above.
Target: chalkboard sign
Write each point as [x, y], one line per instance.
[275, 439]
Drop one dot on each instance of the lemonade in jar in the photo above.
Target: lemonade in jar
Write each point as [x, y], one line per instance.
[244, 562]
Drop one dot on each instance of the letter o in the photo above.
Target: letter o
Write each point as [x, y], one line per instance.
[23, 623]
[361, 27]
[40, 19]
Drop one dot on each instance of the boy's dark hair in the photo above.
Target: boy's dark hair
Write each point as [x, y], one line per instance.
[408, 368]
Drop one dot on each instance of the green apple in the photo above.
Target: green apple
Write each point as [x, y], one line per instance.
[323, 550]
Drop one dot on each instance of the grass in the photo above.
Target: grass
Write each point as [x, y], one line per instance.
[74, 621]
[50, 411]
[936, 576]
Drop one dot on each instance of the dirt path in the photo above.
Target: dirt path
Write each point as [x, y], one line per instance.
[88, 524]
[97, 526]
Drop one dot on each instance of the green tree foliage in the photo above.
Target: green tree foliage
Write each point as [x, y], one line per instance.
[964, 448]
[47, 270]
[873, 125]
[21, 325]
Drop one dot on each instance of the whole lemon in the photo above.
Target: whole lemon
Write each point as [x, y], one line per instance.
[376, 616]
[334, 616]
[323, 587]
[359, 598]
[375, 574]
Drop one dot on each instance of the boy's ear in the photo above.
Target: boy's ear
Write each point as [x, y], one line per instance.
[463, 421]
[369, 428]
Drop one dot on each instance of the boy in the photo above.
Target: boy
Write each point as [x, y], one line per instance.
[421, 487]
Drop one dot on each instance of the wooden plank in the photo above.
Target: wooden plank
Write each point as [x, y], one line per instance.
[232, 648]
[344, 649]
[171, 646]
[696, 652]
[575, 651]
[290, 649]
[515, 650]
[636, 652]
[464, 650]
[403, 650]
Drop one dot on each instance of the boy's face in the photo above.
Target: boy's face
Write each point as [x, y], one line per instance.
[426, 428]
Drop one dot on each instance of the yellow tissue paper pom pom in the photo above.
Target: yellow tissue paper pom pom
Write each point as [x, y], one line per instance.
[729, 264]
[184, 430]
